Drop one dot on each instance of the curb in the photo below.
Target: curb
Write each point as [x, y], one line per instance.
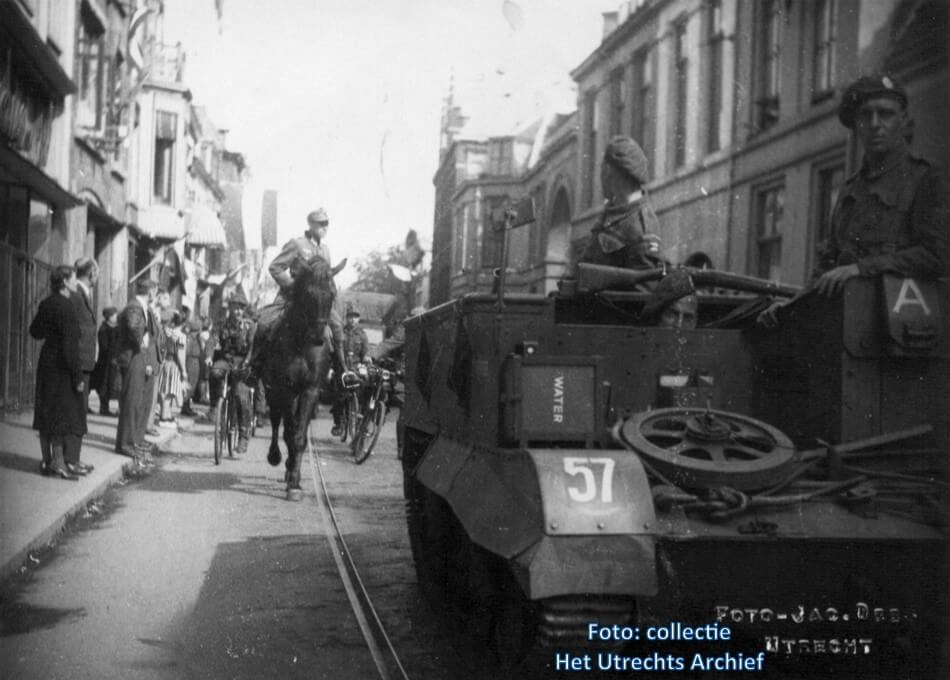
[47, 534]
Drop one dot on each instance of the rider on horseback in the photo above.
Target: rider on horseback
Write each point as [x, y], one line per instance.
[283, 269]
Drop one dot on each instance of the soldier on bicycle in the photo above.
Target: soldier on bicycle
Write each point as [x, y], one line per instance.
[355, 346]
[234, 342]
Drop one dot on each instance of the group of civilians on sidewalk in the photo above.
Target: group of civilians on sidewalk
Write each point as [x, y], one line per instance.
[146, 355]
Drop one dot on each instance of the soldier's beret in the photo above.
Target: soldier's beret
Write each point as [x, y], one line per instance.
[318, 216]
[625, 155]
[675, 285]
[863, 89]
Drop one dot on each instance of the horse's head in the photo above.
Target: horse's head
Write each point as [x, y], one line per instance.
[313, 293]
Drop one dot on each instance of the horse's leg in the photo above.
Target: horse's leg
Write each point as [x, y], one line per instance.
[276, 409]
[293, 451]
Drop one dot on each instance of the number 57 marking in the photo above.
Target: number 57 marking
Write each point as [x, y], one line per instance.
[588, 492]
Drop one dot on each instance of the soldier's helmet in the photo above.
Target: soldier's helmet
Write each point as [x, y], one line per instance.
[238, 298]
[865, 88]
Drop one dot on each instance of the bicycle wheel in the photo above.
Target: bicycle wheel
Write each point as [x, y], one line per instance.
[220, 430]
[252, 428]
[232, 423]
[351, 416]
[368, 433]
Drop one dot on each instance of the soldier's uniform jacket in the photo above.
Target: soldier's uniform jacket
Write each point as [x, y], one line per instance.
[355, 343]
[894, 221]
[234, 338]
[295, 253]
[288, 262]
[617, 238]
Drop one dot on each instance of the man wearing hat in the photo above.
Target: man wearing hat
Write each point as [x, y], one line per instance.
[355, 346]
[625, 235]
[234, 342]
[296, 252]
[137, 358]
[892, 215]
[673, 302]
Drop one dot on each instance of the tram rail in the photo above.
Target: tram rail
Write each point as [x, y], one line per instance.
[382, 651]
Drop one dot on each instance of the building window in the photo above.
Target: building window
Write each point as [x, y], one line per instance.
[769, 211]
[500, 157]
[166, 127]
[681, 74]
[492, 234]
[715, 44]
[826, 33]
[769, 63]
[461, 238]
[536, 241]
[617, 102]
[641, 103]
[90, 62]
[589, 146]
[827, 185]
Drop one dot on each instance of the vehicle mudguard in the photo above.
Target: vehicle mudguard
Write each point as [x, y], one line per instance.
[574, 521]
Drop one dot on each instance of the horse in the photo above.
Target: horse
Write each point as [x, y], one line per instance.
[295, 362]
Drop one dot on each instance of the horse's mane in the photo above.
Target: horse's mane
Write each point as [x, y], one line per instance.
[306, 316]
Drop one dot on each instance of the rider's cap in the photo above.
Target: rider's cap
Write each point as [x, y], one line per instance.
[318, 216]
[863, 89]
[625, 155]
[675, 285]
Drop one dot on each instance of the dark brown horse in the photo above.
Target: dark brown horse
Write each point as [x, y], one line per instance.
[295, 362]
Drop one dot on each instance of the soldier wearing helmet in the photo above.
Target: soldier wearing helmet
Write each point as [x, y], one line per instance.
[625, 235]
[891, 215]
[355, 347]
[234, 342]
[294, 254]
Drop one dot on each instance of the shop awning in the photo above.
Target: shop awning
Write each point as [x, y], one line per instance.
[18, 170]
[204, 228]
[161, 223]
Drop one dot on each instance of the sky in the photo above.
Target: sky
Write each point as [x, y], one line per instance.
[337, 103]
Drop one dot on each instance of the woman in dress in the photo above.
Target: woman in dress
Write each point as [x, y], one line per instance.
[171, 378]
[59, 411]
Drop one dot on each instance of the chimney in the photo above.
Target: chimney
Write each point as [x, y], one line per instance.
[611, 21]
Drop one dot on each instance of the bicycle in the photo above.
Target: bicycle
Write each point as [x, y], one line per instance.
[226, 432]
[378, 386]
[352, 382]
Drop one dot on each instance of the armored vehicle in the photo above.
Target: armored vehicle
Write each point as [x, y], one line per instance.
[567, 463]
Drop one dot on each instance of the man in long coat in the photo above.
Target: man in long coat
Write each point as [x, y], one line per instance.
[137, 358]
[87, 271]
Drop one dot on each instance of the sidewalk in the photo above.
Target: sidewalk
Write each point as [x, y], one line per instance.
[34, 508]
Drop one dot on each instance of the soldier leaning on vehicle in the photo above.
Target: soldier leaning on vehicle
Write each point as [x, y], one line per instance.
[893, 214]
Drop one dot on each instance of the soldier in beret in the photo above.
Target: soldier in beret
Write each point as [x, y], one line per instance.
[625, 235]
[892, 215]
[673, 302]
